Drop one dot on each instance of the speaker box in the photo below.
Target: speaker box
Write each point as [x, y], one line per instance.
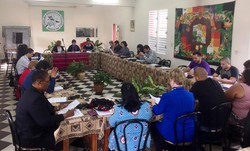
[18, 38]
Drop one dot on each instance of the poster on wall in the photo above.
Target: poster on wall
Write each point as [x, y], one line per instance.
[86, 32]
[206, 29]
[53, 20]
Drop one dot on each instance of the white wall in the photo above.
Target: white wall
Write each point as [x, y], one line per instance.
[142, 8]
[21, 14]
[241, 31]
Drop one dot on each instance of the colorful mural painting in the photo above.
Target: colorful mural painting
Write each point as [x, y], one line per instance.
[207, 29]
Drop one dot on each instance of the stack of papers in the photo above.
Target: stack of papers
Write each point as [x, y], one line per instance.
[58, 88]
[71, 106]
[57, 100]
[157, 100]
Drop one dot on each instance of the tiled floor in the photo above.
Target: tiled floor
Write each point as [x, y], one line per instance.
[7, 101]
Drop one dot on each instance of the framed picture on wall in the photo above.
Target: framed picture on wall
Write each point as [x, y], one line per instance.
[52, 20]
[132, 25]
[86, 32]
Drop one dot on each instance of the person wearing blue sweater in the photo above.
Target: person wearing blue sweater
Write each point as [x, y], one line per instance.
[41, 65]
[130, 108]
[173, 104]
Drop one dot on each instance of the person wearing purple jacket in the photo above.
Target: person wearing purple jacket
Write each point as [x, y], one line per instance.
[198, 62]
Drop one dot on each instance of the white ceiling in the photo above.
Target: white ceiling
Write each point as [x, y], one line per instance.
[75, 3]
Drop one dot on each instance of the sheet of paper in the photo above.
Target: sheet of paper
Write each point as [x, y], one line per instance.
[77, 113]
[57, 100]
[226, 86]
[105, 113]
[71, 106]
[157, 100]
[58, 88]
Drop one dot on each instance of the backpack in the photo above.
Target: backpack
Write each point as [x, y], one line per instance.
[164, 62]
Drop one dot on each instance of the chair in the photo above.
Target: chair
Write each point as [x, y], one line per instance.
[246, 132]
[215, 131]
[182, 67]
[10, 59]
[158, 60]
[182, 120]
[15, 138]
[128, 123]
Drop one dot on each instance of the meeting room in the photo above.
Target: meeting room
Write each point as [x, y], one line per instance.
[124, 75]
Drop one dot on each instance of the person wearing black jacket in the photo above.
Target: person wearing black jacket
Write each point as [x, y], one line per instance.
[36, 120]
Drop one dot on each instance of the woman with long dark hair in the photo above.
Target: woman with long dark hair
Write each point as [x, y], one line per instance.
[130, 108]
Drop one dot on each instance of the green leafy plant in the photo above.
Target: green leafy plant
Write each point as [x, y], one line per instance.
[75, 68]
[102, 77]
[51, 45]
[98, 45]
[148, 87]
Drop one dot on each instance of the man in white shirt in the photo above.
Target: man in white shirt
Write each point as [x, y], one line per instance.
[24, 61]
[149, 55]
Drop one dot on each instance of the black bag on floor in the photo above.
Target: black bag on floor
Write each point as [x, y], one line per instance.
[12, 80]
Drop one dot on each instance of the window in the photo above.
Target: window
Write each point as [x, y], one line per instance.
[157, 30]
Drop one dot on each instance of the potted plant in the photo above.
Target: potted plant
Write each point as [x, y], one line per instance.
[51, 45]
[99, 79]
[98, 45]
[148, 87]
[76, 69]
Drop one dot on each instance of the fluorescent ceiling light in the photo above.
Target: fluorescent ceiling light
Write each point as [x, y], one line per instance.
[106, 1]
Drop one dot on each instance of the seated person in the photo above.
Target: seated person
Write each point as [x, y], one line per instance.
[139, 49]
[246, 64]
[228, 73]
[31, 67]
[198, 62]
[36, 120]
[88, 46]
[148, 55]
[21, 51]
[131, 107]
[117, 47]
[173, 104]
[124, 51]
[24, 61]
[239, 95]
[84, 43]
[73, 47]
[208, 92]
[112, 46]
[42, 65]
[58, 47]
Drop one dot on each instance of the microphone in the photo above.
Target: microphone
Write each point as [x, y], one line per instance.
[63, 44]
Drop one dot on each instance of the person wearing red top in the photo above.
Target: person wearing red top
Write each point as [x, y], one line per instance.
[31, 66]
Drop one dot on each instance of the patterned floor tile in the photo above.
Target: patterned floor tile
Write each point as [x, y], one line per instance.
[7, 101]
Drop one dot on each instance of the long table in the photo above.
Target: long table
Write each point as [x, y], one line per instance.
[62, 60]
[119, 68]
[125, 70]
[91, 128]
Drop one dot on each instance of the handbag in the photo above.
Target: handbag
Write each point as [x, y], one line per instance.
[101, 104]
